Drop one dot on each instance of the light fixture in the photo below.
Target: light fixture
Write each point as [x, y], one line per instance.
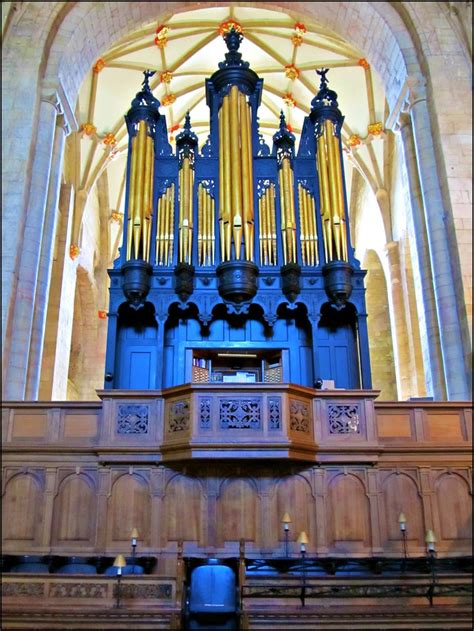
[134, 537]
[402, 521]
[302, 540]
[286, 521]
[251, 355]
[430, 541]
[119, 563]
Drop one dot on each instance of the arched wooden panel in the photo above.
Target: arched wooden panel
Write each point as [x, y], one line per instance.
[348, 514]
[75, 509]
[130, 507]
[183, 509]
[293, 496]
[22, 517]
[400, 495]
[455, 508]
[238, 511]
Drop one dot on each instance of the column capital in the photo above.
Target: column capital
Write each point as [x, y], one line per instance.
[54, 93]
[412, 91]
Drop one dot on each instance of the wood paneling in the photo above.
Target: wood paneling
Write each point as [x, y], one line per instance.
[80, 425]
[348, 513]
[21, 514]
[129, 507]
[294, 497]
[394, 426]
[183, 509]
[455, 508]
[444, 428]
[400, 494]
[29, 425]
[75, 511]
[238, 511]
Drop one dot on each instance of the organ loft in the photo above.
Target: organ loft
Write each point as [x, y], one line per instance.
[236, 263]
[237, 470]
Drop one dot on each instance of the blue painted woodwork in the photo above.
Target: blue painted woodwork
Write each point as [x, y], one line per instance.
[151, 343]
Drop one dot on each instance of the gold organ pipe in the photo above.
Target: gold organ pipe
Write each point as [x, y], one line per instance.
[221, 184]
[335, 218]
[312, 222]
[213, 236]
[290, 210]
[325, 196]
[200, 222]
[147, 197]
[160, 234]
[206, 228]
[158, 230]
[268, 224]
[227, 215]
[131, 197]
[315, 230]
[170, 194]
[139, 184]
[260, 205]
[308, 227]
[246, 183]
[273, 224]
[181, 214]
[289, 218]
[291, 184]
[302, 210]
[249, 156]
[283, 216]
[263, 229]
[340, 197]
[236, 172]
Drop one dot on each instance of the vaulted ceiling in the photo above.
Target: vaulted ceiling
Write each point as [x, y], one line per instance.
[187, 47]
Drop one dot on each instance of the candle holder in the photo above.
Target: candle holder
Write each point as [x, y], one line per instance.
[286, 521]
[134, 537]
[119, 563]
[402, 520]
[430, 541]
[303, 540]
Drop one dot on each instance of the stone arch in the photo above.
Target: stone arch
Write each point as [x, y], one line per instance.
[379, 327]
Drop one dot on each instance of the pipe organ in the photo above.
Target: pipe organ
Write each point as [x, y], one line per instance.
[236, 246]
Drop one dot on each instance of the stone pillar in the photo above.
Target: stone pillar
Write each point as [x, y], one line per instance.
[404, 364]
[22, 322]
[60, 312]
[430, 342]
[443, 261]
[46, 262]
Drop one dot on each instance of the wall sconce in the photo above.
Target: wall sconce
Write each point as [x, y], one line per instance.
[134, 537]
[119, 563]
[402, 521]
[303, 540]
[286, 521]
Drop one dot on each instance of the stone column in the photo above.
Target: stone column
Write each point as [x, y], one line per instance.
[60, 312]
[46, 262]
[404, 364]
[22, 321]
[430, 342]
[443, 260]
